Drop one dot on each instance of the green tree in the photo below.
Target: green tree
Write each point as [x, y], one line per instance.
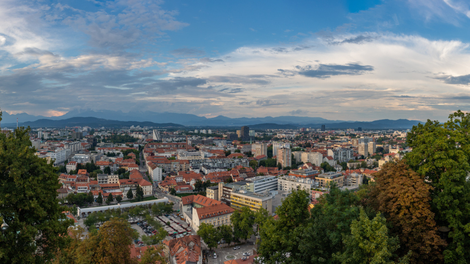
[242, 222]
[327, 167]
[110, 199]
[130, 194]
[90, 198]
[172, 191]
[28, 203]
[99, 200]
[344, 165]
[198, 186]
[118, 198]
[107, 170]
[237, 151]
[209, 234]
[369, 242]
[153, 255]
[441, 154]
[139, 194]
[253, 164]
[226, 233]
[330, 222]
[279, 239]
[404, 199]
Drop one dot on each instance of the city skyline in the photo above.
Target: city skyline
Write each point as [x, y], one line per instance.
[338, 60]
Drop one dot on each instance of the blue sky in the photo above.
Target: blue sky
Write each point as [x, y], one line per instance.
[349, 60]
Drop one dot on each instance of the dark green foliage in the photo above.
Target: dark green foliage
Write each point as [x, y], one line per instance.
[441, 155]
[28, 203]
[110, 199]
[99, 200]
[130, 194]
[327, 167]
[139, 194]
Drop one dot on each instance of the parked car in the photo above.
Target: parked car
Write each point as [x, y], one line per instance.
[215, 255]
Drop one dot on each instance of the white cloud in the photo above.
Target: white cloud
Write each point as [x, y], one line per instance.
[403, 78]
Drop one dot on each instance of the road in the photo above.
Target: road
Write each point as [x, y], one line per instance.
[160, 194]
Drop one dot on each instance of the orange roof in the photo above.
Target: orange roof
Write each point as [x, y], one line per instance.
[214, 210]
[82, 171]
[199, 199]
[186, 249]
[144, 183]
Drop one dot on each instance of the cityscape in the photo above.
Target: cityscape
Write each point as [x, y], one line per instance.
[204, 132]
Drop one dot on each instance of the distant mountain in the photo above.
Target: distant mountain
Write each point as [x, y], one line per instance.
[378, 124]
[272, 126]
[95, 122]
[198, 121]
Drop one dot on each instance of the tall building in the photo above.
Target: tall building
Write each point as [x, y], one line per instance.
[284, 157]
[245, 133]
[371, 148]
[359, 129]
[156, 135]
[363, 149]
[277, 145]
[259, 149]
[322, 127]
[316, 158]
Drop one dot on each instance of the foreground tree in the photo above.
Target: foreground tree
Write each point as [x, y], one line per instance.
[441, 155]
[209, 234]
[369, 242]
[153, 255]
[279, 239]
[226, 233]
[242, 222]
[404, 199]
[330, 222]
[28, 203]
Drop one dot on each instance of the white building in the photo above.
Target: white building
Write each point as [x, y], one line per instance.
[277, 145]
[59, 155]
[259, 149]
[292, 183]
[261, 183]
[316, 158]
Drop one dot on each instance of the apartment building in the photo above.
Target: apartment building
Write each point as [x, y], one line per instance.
[213, 192]
[326, 179]
[316, 158]
[259, 149]
[292, 183]
[284, 157]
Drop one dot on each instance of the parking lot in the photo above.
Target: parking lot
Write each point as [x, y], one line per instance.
[225, 253]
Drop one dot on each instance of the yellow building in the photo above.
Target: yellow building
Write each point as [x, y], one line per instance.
[254, 201]
[326, 179]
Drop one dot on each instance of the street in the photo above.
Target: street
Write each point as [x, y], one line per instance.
[228, 253]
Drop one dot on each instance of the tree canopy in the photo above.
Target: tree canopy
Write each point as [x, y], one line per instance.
[28, 203]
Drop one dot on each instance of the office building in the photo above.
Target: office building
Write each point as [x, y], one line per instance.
[322, 128]
[260, 184]
[245, 133]
[254, 201]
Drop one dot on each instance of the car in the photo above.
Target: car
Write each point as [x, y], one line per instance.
[215, 255]
[235, 248]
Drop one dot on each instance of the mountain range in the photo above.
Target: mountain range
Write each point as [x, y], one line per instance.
[110, 118]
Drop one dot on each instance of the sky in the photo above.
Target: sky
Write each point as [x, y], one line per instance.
[338, 59]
